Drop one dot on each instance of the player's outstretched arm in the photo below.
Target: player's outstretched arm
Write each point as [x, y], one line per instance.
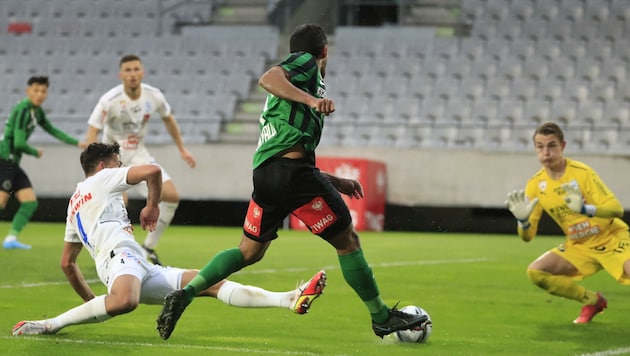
[72, 271]
[173, 130]
[92, 134]
[277, 82]
[611, 208]
[152, 174]
[518, 204]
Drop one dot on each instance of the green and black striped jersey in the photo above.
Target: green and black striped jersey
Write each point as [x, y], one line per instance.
[19, 127]
[285, 123]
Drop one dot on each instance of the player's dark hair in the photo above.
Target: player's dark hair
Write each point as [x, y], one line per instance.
[129, 58]
[97, 152]
[549, 128]
[309, 38]
[42, 79]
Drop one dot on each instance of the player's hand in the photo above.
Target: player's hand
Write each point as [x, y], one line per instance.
[350, 187]
[519, 206]
[40, 153]
[82, 145]
[324, 106]
[574, 198]
[188, 157]
[149, 217]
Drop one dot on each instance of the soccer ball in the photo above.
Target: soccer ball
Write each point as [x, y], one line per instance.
[421, 333]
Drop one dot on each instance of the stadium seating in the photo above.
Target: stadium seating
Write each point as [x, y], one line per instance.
[524, 62]
[77, 43]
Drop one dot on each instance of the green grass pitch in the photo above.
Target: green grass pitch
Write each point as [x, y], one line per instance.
[474, 287]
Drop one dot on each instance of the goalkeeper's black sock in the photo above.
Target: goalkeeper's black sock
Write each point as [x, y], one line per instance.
[220, 266]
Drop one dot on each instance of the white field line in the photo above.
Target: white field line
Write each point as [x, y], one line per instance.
[284, 270]
[620, 351]
[161, 345]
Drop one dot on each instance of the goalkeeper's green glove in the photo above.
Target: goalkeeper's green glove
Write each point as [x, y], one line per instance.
[575, 200]
[519, 207]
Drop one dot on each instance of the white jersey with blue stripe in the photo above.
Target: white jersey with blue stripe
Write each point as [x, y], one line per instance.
[97, 216]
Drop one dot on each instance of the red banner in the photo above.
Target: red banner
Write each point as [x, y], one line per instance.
[367, 213]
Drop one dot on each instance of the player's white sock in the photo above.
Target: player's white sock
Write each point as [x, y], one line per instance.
[238, 295]
[93, 311]
[10, 238]
[167, 211]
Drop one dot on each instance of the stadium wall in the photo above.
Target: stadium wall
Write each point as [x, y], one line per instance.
[436, 190]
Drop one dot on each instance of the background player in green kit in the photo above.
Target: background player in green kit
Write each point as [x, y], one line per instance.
[286, 181]
[24, 117]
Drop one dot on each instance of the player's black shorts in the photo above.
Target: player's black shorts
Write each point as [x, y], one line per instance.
[284, 186]
[12, 177]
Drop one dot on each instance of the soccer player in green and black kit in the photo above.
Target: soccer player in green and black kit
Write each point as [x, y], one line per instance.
[286, 181]
[13, 180]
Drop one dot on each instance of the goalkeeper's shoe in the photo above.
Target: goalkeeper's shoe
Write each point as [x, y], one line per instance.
[174, 306]
[152, 256]
[32, 328]
[308, 292]
[589, 311]
[398, 321]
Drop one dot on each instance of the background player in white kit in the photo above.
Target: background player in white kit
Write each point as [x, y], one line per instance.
[123, 114]
[97, 220]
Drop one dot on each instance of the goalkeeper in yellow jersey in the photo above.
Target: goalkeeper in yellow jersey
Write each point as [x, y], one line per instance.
[587, 212]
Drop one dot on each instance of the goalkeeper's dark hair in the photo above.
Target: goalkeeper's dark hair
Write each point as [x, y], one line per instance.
[38, 79]
[549, 128]
[309, 38]
[97, 152]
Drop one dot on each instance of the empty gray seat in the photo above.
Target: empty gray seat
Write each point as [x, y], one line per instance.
[597, 10]
[550, 90]
[587, 69]
[509, 113]
[472, 48]
[396, 86]
[536, 112]
[522, 10]
[498, 88]
[534, 29]
[406, 109]
[590, 113]
[547, 10]
[586, 30]
[620, 9]
[560, 29]
[472, 88]
[618, 112]
[571, 10]
[563, 112]
[432, 110]
[524, 90]
[483, 111]
[576, 90]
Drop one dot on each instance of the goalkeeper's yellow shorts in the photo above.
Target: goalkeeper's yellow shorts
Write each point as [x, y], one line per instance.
[590, 259]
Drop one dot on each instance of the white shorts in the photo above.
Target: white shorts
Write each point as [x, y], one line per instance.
[156, 280]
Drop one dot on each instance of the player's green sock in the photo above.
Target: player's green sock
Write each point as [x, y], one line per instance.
[359, 276]
[22, 216]
[220, 266]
